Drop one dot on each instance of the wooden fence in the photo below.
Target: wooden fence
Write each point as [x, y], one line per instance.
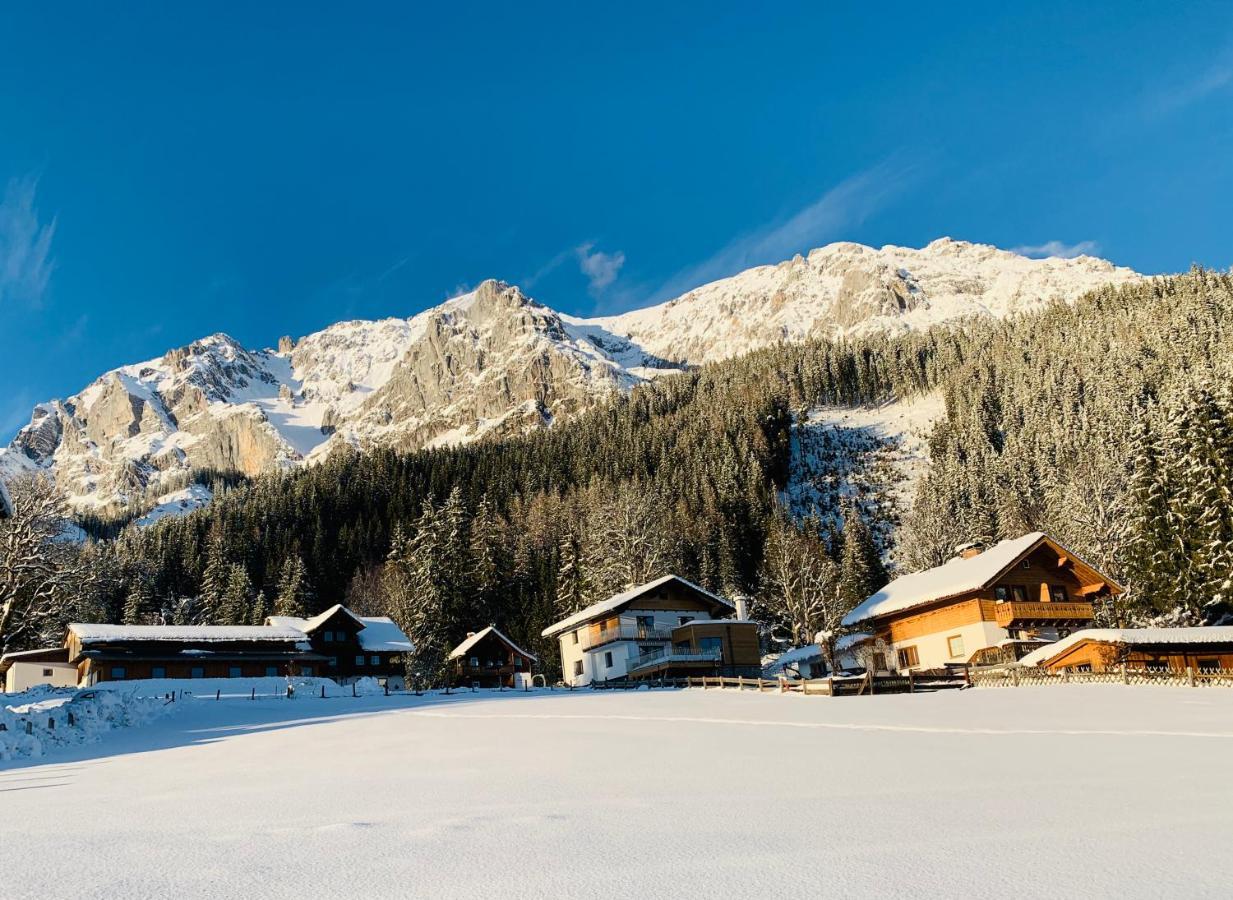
[843, 686]
[1017, 677]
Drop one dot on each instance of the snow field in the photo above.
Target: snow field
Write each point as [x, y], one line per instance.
[1078, 791]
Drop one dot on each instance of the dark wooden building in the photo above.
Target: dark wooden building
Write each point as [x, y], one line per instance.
[350, 647]
[489, 659]
[704, 647]
[127, 652]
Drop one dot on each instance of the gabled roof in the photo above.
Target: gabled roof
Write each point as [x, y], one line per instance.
[616, 601]
[376, 633]
[90, 633]
[465, 647]
[958, 576]
[1215, 634]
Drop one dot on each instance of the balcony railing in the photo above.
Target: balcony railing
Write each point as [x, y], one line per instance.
[653, 659]
[1006, 613]
[592, 639]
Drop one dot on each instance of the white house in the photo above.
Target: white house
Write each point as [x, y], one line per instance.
[24, 669]
[608, 639]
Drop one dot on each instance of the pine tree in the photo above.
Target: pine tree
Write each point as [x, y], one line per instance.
[234, 608]
[860, 566]
[295, 595]
[260, 610]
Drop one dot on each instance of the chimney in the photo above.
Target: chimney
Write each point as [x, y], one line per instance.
[742, 608]
[967, 551]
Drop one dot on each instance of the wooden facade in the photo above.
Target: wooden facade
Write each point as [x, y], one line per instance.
[707, 647]
[1045, 593]
[1109, 656]
[335, 639]
[489, 659]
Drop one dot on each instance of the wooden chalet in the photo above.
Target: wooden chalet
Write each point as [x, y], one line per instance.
[126, 652]
[489, 659]
[1203, 650]
[985, 605]
[348, 647]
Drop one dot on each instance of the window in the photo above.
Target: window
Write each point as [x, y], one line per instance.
[685, 620]
[879, 662]
[908, 657]
[1057, 593]
[708, 644]
[608, 659]
[474, 660]
[574, 635]
[235, 672]
[117, 673]
[1001, 593]
[1027, 564]
[517, 662]
[954, 646]
[196, 672]
[47, 673]
[577, 667]
[158, 672]
[374, 660]
[328, 637]
[1019, 592]
[332, 662]
[271, 671]
[645, 622]
[359, 660]
[1209, 666]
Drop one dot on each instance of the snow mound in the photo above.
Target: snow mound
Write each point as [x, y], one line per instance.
[44, 718]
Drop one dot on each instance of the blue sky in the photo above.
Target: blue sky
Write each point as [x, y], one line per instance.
[169, 170]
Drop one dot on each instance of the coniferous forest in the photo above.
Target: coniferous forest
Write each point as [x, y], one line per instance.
[1108, 423]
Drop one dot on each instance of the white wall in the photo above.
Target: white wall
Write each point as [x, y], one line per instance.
[22, 676]
[933, 651]
[623, 652]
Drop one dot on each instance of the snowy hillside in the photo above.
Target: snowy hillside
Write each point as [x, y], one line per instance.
[490, 362]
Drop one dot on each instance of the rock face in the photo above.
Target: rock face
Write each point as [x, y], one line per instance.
[491, 362]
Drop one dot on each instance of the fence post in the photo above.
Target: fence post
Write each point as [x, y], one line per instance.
[71, 720]
[51, 724]
[253, 695]
[911, 683]
[218, 694]
[1190, 676]
[1014, 677]
[1125, 675]
[323, 692]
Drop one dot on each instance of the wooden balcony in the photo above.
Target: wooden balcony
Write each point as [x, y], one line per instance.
[592, 638]
[1015, 613]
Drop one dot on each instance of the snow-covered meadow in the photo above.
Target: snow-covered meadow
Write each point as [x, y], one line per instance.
[1085, 790]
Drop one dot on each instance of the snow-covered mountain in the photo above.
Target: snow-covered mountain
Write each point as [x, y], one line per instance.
[489, 362]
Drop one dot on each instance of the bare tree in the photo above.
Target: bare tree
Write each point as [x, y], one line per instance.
[800, 588]
[41, 573]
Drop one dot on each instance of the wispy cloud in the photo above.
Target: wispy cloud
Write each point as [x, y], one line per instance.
[600, 268]
[1214, 78]
[25, 246]
[828, 217]
[1058, 248]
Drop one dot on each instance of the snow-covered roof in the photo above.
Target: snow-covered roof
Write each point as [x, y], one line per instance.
[956, 576]
[1216, 634]
[714, 622]
[43, 654]
[93, 633]
[381, 634]
[377, 633]
[463, 648]
[616, 601]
